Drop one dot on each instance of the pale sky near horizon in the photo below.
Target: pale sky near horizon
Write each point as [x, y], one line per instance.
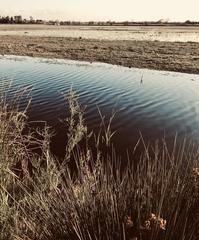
[118, 10]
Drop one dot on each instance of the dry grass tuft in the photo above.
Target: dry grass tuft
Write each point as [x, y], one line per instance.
[41, 199]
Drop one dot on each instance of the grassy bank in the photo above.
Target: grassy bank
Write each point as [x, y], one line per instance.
[41, 198]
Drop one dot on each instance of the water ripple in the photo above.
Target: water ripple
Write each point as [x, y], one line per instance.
[162, 101]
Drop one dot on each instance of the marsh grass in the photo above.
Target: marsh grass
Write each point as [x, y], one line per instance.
[156, 197]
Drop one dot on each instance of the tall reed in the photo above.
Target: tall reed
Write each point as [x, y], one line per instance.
[156, 197]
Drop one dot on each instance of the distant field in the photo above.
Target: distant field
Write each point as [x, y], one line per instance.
[140, 33]
[162, 48]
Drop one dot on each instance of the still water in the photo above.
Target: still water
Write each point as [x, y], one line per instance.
[138, 33]
[155, 103]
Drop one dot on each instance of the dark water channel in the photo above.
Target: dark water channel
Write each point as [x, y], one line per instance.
[154, 103]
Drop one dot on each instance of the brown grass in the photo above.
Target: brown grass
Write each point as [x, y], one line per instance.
[40, 198]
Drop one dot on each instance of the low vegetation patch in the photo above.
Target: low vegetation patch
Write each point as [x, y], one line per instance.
[153, 198]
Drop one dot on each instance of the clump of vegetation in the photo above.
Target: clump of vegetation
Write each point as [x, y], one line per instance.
[155, 198]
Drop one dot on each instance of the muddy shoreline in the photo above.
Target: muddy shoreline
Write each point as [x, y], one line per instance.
[169, 56]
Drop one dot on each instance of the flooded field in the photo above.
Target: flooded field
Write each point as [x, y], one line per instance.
[139, 33]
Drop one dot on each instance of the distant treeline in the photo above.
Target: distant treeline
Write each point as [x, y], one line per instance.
[20, 20]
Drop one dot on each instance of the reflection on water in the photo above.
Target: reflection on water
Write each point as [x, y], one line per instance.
[152, 102]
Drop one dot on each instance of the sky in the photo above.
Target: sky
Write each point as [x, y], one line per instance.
[103, 10]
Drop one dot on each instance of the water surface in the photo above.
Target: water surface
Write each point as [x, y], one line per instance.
[139, 33]
[155, 103]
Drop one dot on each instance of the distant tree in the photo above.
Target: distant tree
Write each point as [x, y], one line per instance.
[7, 19]
[126, 23]
[31, 20]
[188, 22]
